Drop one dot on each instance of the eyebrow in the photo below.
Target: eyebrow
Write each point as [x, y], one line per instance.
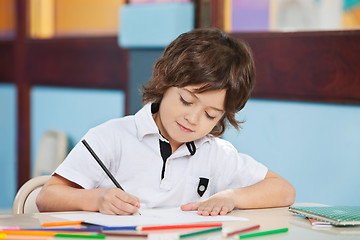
[195, 96]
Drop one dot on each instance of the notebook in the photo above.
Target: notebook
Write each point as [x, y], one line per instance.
[335, 215]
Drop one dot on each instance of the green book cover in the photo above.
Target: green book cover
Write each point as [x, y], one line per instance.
[336, 215]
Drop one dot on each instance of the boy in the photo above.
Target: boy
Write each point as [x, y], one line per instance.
[169, 154]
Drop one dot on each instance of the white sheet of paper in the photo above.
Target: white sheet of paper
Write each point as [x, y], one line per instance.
[157, 216]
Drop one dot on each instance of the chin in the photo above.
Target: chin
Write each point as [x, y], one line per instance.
[182, 139]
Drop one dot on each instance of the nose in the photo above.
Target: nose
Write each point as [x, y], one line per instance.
[193, 116]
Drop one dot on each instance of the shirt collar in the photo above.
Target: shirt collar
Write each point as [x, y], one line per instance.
[145, 123]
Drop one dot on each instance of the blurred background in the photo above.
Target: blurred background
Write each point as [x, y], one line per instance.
[69, 65]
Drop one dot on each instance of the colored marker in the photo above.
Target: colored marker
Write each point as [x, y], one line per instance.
[241, 230]
[193, 225]
[2, 236]
[85, 229]
[97, 236]
[119, 228]
[200, 232]
[281, 230]
[39, 233]
[28, 233]
[11, 228]
[58, 224]
[119, 234]
[73, 229]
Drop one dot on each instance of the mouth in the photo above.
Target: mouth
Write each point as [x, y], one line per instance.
[183, 128]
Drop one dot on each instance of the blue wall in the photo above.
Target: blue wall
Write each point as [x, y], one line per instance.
[314, 146]
[73, 111]
[7, 144]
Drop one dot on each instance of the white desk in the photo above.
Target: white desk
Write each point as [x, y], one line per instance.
[272, 218]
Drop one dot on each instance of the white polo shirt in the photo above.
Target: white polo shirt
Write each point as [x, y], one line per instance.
[129, 148]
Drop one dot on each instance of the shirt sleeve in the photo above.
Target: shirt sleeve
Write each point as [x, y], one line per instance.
[237, 169]
[80, 166]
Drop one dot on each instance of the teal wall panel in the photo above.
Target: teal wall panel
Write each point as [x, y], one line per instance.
[141, 64]
[154, 25]
[8, 120]
[314, 146]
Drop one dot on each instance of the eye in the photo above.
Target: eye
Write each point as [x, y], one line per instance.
[209, 117]
[186, 103]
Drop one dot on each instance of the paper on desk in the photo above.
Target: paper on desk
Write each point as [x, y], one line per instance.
[157, 216]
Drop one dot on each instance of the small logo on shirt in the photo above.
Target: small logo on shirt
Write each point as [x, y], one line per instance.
[203, 184]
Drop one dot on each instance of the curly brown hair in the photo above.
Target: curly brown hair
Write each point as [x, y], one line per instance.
[214, 60]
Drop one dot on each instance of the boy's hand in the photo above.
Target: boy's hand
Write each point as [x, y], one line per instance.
[114, 201]
[220, 203]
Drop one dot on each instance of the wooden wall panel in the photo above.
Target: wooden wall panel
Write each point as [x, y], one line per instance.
[76, 62]
[307, 66]
[6, 61]
[23, 94]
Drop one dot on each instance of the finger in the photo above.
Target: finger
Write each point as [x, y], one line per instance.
[215, 211]
[225, 210]
[118, 207]
[116, 201]
[128, 198]
[193, 206]
[127, 203]
[204, 212]
[112, 209]
[127, 208]
[123, 208]
[106, 207]
[209, 207]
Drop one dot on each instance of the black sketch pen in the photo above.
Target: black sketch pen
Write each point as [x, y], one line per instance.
[102, 164]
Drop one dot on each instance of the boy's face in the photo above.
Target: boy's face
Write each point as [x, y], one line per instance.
[185, 116]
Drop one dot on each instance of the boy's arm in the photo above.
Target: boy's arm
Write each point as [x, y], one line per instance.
[60, 194]
[273, 191]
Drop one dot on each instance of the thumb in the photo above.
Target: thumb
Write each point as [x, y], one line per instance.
[193, 206]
